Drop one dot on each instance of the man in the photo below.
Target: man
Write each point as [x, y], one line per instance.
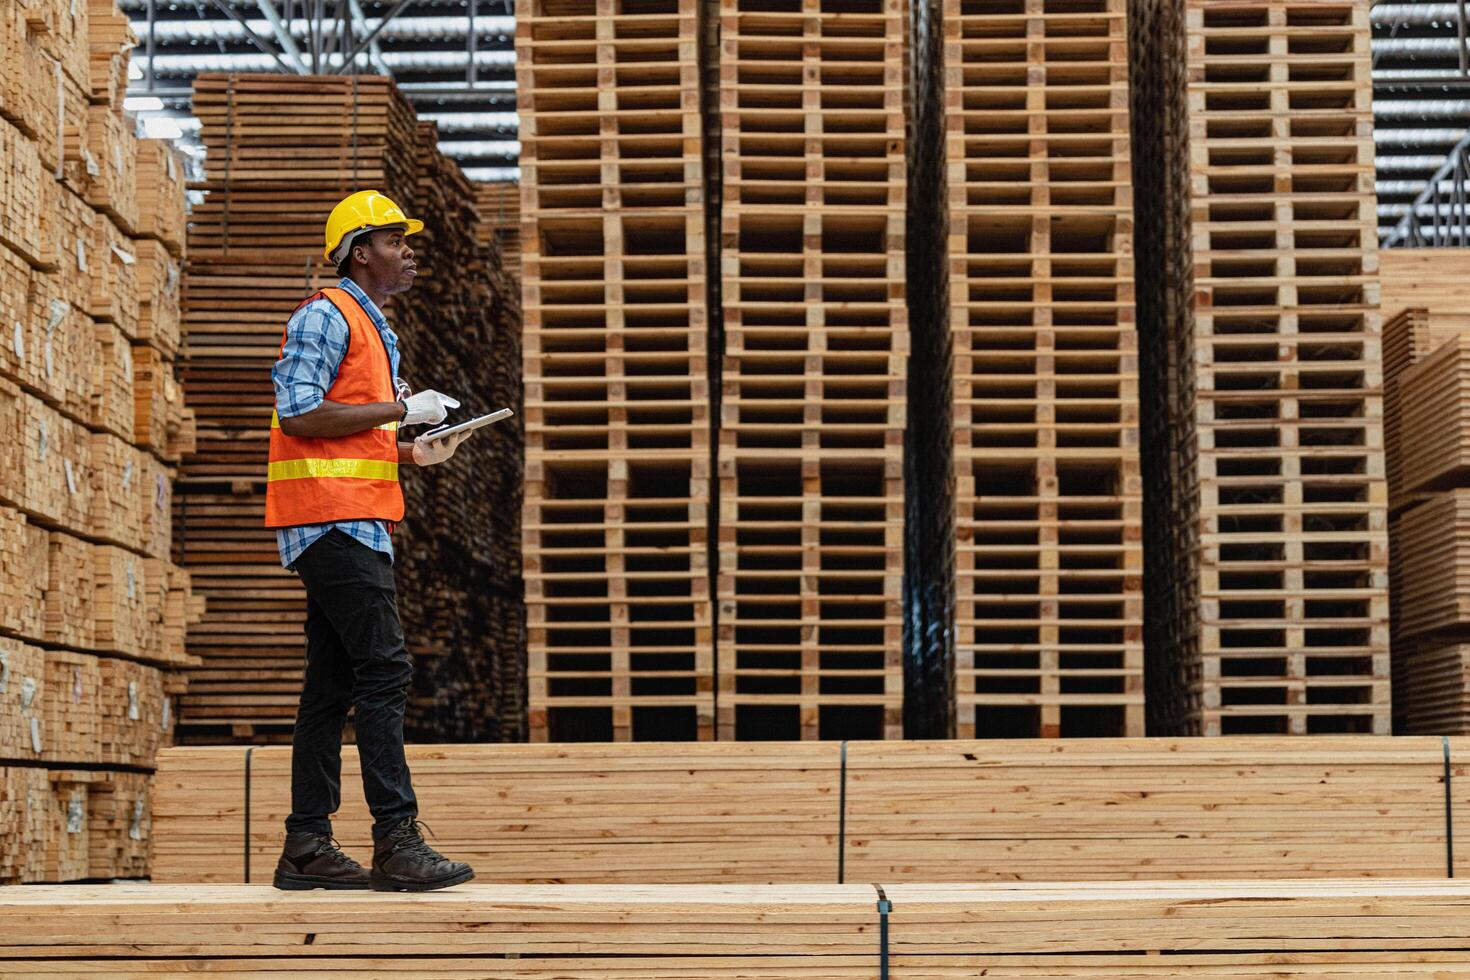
[333, 496]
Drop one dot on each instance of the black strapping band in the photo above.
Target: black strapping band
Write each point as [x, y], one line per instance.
[842, 817]
[884, 907]
[248, 751]
[1449, 822]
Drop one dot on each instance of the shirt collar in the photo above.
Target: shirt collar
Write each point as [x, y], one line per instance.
[365, 301]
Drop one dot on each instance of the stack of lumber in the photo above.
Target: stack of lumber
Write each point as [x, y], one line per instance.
[814, 368]
[616, 516]
[500, 212]
[281, 152]
[752, 932]
[1425, 278]
[521, 813]
[92, 610]
[1266, 365]
[1049, 498]
[1119, 809]
[1431, 678]
[459, 566]
[1074, 809]
[1427, 390]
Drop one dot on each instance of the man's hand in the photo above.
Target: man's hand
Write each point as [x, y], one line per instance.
[427, 453]
[427, 406]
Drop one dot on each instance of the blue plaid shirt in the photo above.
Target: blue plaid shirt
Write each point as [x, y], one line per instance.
[316, 342]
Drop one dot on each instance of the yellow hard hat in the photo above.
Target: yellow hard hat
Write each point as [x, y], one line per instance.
[364, 210]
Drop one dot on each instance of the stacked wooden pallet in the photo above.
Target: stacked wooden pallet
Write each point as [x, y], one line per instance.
[618, 454]
[272, 177]
[814, 370]
[500, 212]
[1049, 495]
[750, 932]
[93, 611]
[1269, 457]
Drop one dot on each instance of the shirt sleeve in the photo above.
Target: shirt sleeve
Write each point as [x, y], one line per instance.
[316, 343]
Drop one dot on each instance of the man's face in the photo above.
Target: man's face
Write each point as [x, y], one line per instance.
[389, 260]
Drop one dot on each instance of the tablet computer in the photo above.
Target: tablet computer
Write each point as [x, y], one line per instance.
[433, 435]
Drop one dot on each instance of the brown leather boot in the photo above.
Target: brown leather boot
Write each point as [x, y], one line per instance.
[403, 862]
[315, 861]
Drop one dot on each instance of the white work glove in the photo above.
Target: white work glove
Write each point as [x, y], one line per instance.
[427, 406]
[431, 453]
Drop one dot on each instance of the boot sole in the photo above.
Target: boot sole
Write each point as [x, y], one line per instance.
[388, 883]
[287, 882]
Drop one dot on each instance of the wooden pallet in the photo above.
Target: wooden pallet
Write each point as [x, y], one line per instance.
[1049, 496]
[814, 369]
[617, 598]
[613, 252]
[1274, 448]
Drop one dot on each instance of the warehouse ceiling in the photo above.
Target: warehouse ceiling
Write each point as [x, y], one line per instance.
[456, 61]
[461, 78]
[1421, 109]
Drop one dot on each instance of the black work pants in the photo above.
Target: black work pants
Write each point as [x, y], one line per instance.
[355, 657]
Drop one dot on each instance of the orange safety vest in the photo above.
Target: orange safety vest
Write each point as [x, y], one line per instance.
[320, 481]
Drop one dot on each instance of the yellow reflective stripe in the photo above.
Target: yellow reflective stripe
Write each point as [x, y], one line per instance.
[386, 426]
[358, 469]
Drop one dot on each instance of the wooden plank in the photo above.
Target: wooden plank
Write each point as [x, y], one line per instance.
[964, 811]
[1146, 809]
[1427, 278]
[1059, 930]
[626, 813]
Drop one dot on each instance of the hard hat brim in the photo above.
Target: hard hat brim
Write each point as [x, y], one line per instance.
[410, 226]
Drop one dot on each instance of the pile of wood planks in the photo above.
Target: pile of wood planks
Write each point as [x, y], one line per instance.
[1426, 394]
[1003, 810]
[752, 932]
[282, 151]
[813, 370]
[616, 517]
[1430, 279]
[1049, 498]
[92, 609]
[1267, 469]
[500, 215]
[459, 549]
